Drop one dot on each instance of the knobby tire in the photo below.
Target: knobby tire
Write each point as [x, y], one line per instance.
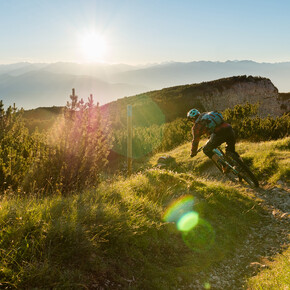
[244, 172]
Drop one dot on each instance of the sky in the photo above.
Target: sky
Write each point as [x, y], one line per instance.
[144, 31]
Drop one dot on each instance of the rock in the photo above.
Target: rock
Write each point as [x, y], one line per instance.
[285, 215]
[257, 265]
[243, 89]
[166, 162]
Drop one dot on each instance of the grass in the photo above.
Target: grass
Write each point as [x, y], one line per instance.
[268, 160]
[116, 236]
[116, 233]
[276, 276]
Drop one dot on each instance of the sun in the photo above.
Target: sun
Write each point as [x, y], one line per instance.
[93, 47]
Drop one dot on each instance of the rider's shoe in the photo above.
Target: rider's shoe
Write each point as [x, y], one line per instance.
[225, 168]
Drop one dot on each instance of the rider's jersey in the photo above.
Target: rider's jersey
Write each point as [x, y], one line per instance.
[200, 129]
[210, 120]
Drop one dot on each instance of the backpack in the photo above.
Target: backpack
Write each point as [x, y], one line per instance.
[210, 120]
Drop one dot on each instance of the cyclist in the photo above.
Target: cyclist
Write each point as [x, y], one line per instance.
[212, 124]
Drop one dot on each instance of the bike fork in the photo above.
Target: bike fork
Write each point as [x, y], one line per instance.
[223, 161]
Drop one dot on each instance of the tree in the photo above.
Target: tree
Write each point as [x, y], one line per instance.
[79, 146]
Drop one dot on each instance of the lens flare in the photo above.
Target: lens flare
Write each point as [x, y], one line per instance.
[148, 131]
[188, 221]
[179, 208]
[197, 233]
[201, 237]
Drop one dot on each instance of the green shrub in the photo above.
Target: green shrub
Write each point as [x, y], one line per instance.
[72, 156]
[160, 138]
[145, 140]
[20, 152]
[249, 126]
[79, 145]
[153, 139]
[175, 133]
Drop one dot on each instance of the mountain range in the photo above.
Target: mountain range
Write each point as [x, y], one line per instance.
[32, 85]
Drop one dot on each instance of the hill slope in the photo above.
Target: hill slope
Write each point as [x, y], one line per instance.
[171, 103]
[166, 105]
[128, 234]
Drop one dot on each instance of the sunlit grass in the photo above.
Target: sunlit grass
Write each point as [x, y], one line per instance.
[115, 235]
[268, 160]
[276, 276]
[115, 231]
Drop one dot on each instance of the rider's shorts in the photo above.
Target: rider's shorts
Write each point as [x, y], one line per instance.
[223, 135]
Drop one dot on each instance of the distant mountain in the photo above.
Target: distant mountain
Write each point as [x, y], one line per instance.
[177, 73]
[45, 89]
[17, 69]
[30, 85]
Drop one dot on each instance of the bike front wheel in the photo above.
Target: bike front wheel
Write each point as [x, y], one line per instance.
[244, 172]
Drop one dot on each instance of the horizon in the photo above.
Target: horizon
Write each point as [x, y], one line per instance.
[115, 43]
[143, 32]
[144, 64]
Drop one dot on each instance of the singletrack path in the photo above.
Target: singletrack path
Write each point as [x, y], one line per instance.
[264, 241]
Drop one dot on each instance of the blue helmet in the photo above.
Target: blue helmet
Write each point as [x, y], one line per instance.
[193, 114]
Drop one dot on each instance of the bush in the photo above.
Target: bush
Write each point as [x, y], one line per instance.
[176, 133]
[71, 157]
[249, 126]
[145, 140]
[78, 148]
[156, 138]
[20, 152]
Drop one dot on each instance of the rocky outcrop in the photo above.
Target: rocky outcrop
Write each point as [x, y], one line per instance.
[239, 90]
[284, 101]
[170, 103]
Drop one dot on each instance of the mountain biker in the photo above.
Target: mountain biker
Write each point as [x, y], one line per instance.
[212, 124]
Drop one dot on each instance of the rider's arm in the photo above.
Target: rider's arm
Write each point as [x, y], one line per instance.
[197, 132]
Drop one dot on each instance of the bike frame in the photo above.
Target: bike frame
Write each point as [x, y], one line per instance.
[242, 171]
[220, 154]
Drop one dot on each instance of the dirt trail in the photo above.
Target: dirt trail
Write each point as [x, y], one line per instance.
[264, 241]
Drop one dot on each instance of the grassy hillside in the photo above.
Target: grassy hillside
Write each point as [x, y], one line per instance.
[171, 103]
[41, 118]
[268, 160]
[131, 232]
[276, 274]
[159, 106]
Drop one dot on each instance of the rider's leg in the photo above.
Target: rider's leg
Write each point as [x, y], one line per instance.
[215, 158]
[230, 140]
[214, 141]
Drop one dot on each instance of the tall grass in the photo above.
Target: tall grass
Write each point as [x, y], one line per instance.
[115, 235]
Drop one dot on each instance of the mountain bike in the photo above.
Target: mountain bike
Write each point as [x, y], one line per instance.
[237, 170]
